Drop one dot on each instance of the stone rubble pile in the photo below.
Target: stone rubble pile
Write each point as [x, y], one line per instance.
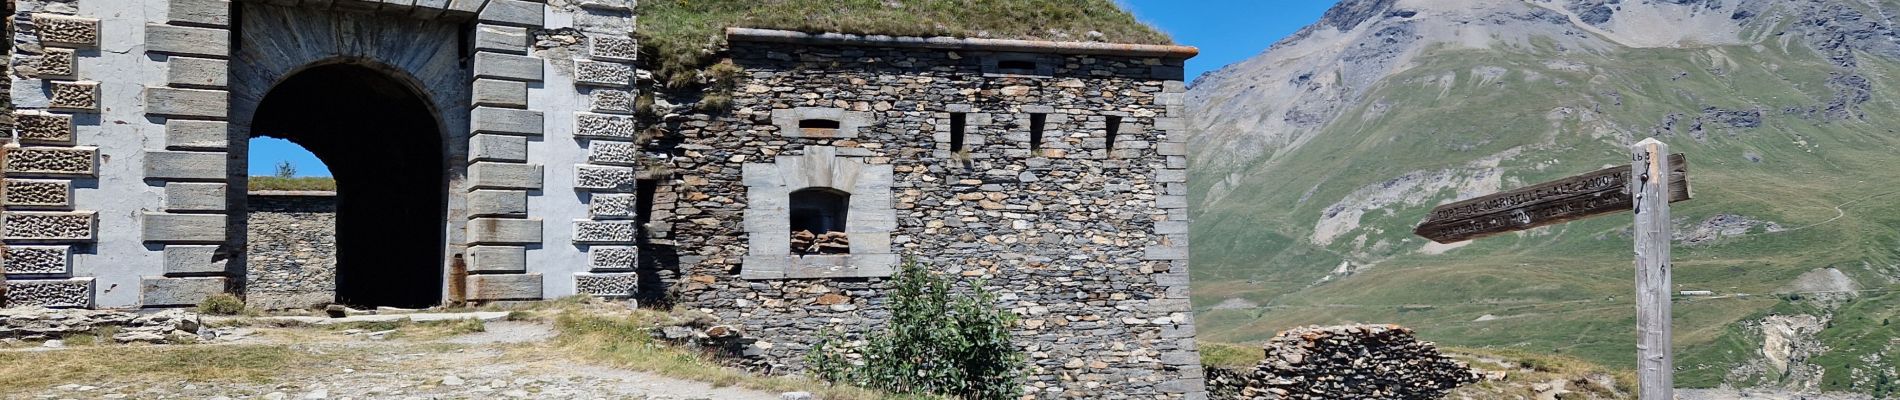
[806, 242]
[1344, 362]
[39, 323]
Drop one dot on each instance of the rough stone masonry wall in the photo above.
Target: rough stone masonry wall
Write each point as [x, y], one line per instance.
[1345, 362]
[1086, 241]
[292, 249]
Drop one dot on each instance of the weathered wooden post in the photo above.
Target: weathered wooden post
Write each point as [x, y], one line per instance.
[1649, 184]
[1654, 179]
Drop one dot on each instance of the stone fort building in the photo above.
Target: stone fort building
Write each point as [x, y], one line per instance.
[491, 150]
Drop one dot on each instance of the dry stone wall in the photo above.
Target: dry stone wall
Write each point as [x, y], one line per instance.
[292, 249]
[1345, 362]
[1082, 236]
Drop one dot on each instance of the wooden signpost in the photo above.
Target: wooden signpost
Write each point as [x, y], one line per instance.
[1647, 186]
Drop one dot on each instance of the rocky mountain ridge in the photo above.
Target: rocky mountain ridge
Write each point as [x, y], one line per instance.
[1313, 160]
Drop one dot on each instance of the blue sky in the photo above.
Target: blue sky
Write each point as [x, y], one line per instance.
[1227, 31]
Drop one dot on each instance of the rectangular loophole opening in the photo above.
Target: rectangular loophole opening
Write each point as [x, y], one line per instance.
[819, 127]
[957, 122]
[1035, 130]
[1020, 67]
[1114, 128]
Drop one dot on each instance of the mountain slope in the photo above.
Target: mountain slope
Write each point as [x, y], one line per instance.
[1313, 160]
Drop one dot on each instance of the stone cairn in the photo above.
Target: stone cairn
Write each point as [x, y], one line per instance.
[38, 323]
[806, 242]
[1344, 362]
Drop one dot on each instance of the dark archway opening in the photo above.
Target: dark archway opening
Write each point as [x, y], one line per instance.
[818, 217]
[384, 146]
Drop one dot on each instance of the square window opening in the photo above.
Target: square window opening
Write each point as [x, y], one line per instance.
[818, 221]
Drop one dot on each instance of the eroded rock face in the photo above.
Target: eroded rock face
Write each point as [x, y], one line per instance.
[1345, 362]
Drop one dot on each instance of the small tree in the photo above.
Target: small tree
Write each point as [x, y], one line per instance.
[285, 170]
[936, 343]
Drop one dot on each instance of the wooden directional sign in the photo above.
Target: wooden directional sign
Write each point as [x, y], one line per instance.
[1601, 192]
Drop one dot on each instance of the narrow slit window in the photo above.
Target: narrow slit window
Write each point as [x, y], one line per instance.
[818, 218]
[1114, 127]
[956, 131]
[1016, 67]
[1035, 130]
[819, 127]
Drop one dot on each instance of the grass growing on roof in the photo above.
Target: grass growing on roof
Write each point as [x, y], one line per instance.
[681, 32]
[316, 183]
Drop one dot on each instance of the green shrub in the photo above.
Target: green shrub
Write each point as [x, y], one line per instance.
[222, 304]
[936, 343]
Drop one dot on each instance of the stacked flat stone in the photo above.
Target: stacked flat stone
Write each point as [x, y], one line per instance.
[1348, 362]
[806, 242]
[40, 323]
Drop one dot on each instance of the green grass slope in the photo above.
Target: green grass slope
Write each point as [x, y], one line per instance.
[1830, 184]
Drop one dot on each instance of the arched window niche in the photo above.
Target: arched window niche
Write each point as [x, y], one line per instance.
[818, 215]
[818, 221]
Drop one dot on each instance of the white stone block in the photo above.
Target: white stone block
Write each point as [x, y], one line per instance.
[504, 231]
[183, 228]
[188, 196]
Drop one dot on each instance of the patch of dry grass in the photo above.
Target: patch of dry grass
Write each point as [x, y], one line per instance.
[24, 371]
[625, 341]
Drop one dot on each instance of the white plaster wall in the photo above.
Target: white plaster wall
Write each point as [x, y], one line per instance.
[120, 195]
[558, 205]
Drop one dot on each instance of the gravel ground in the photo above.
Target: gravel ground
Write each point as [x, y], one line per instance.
[508, 360]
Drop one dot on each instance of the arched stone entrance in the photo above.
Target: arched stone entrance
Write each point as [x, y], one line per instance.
[390, 119]
[384, 146]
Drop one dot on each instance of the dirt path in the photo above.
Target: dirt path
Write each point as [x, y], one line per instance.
[507, 360]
